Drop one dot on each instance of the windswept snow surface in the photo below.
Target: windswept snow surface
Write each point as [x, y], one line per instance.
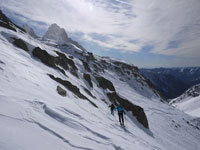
[33, 116]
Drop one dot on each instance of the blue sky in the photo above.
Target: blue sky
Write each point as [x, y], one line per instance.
[156, 33]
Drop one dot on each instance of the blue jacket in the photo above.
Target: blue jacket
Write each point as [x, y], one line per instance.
[119, 108]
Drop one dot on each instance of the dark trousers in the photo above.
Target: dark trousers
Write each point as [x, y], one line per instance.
[112, 111]
[121, 118]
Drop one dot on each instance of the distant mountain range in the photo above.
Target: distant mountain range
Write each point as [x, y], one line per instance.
[172, 82]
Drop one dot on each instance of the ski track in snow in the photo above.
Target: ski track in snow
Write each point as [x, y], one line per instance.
[74, 125]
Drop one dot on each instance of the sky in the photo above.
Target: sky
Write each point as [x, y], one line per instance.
[146, 33]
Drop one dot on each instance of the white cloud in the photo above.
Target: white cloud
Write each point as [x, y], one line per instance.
[166, 21]
[155, 22]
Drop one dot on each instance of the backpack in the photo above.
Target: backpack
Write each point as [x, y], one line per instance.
[120, 109]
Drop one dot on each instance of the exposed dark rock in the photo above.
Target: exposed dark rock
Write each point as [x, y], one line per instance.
[95, 67]
[104, 83]
[118, 69]
[50, 60]
[128, 106]
[104, 101]
[135, 75]
[71, 57]
[44, 57]
[74, 72]
[71, 87]
[86, 66]
[98, 68]
[126, 66]
[61, 91]
[67, 60]
[20, 44]
[62, 71]
[79, 53]
[62, 61]
[90, 56]
[88, 92]
[6, 23]
[88, 79]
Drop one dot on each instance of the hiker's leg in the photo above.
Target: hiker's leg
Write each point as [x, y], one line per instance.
[119, 117]
[112, 112]
[122, 117]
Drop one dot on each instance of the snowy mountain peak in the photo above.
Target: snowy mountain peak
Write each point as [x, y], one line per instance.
[189, 101]
[56, 33]
[194, 91]
[29, 30]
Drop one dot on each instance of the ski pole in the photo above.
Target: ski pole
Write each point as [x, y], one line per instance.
[124, 118]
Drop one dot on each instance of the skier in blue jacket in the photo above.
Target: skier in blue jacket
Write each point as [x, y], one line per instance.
[121, 111]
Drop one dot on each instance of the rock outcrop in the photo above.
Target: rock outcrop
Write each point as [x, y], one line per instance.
[137, 111]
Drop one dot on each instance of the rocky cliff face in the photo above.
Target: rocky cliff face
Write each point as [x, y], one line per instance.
[6, 23]
[56, 33]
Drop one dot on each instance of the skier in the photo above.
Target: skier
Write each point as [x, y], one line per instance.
[121, 111]
[112, 107]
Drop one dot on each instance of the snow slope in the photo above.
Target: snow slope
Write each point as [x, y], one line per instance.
[189, 101]
[34, 116]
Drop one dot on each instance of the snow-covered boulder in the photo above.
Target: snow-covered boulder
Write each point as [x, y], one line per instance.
[61, 91]
[20, 44]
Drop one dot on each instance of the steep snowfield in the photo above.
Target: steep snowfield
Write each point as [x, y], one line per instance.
[34, 116]
[189, 101]
[190, 106]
